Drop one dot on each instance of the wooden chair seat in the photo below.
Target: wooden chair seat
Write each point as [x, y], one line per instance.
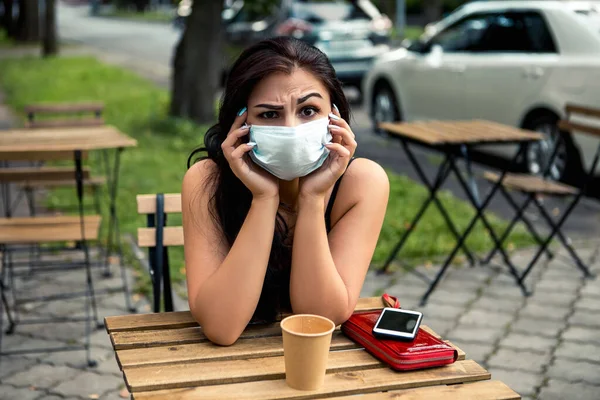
[60, 115]
[24, 174]
[56, 108]
[47, 229]
[531, 184]
[62, 123]
[37, 177]
[95, 181]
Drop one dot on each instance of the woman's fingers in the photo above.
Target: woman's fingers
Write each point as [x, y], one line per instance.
[339, 121]
[231, 141]
[239, 120]
[339, 149]
[241, 150]
[347, 137]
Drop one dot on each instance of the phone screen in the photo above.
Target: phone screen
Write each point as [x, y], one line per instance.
[398, 321]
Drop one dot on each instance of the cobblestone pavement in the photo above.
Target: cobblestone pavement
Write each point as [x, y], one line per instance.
[546, 346]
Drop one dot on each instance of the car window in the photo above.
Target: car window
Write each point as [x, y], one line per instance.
[320, 11]
[539, 34]
[517, 32]
[508, 32]
[505, 33]
[463, 35]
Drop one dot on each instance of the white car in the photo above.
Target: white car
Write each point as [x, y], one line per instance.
[513, 62]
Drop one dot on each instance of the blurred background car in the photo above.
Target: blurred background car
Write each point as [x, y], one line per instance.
[351, 32]
[514, 62]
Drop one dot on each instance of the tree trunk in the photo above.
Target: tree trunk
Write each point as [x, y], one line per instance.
[29, 21]
[7, 21]
[141, 5]
[50, 44]
[197, 63]
[433, 10]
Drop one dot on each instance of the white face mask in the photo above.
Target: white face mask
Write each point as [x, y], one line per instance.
[290, 152]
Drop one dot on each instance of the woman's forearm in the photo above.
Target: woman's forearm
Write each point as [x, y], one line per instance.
[228, 298]
[316, 287]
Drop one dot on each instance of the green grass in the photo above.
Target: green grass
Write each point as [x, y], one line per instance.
[5, 41]
[138, 108]
[148, 16]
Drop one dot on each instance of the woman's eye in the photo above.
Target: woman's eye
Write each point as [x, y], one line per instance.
[269, 115]
[308, 111]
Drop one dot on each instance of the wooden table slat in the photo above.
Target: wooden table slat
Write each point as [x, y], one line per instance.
[176, 376]
[483, 390]
[341, 383]
[268, 346]
[205, 351]
[184, 319]
[461, 354]
[459, 132]
[63, 139]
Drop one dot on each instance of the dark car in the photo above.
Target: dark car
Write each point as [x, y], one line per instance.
[351, 33]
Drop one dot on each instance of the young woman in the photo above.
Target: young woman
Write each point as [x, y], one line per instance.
[279, 217]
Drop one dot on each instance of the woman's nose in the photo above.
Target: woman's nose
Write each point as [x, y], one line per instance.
[291, 120]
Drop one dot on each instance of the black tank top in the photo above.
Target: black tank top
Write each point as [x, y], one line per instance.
[336, 187]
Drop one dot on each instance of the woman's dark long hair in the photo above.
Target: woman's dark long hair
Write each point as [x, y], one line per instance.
[230, 199]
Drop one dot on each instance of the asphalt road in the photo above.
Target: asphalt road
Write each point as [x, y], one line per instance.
[148, 47]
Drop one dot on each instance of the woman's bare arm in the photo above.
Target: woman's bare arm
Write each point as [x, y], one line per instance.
[328, 270]
[224, 285]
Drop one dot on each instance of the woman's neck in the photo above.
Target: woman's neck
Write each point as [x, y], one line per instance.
[288, 192]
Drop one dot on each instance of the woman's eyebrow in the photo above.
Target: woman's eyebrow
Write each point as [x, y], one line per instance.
[308, 96]
[270, 106]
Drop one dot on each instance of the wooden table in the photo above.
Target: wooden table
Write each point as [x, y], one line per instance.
[17, 143]
[44, 144]
[166, 356]
[454, 140]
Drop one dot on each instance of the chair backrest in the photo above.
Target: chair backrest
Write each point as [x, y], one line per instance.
[147, 205]
[64, 115]
[157, 237]
[587, 126]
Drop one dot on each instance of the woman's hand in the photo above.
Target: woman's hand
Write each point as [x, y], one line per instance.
[341, 150]
[257, 180]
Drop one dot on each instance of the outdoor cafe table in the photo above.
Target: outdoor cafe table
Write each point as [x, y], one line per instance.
[455, 139]
[27, 144]
[166, 356]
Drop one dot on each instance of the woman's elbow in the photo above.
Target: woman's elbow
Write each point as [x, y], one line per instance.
[221, 337]
[342, 317]
[220, 333]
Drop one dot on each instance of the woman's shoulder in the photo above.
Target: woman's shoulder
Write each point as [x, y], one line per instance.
[199, 171]
[365, 174]
[196, 176]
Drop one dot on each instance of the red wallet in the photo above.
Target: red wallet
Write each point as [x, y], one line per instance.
[425, 351]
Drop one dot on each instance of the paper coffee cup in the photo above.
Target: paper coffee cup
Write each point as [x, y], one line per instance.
[306, 342]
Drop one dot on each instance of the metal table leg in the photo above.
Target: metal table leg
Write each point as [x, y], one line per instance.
[114, 234]
[467, 231]
[433, 188]
[474, 201]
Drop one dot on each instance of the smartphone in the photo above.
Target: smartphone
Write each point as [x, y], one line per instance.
[398, 324]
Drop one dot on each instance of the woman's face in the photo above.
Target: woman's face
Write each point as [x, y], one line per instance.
[288, 100]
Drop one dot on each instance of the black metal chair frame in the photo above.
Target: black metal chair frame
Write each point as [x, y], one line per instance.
[91, 312]
[555, 227]
[158, 256]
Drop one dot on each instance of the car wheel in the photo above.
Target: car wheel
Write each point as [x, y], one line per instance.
[384, 107]
[566, 165]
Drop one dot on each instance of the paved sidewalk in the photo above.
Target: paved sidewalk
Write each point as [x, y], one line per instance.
[546, 346]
